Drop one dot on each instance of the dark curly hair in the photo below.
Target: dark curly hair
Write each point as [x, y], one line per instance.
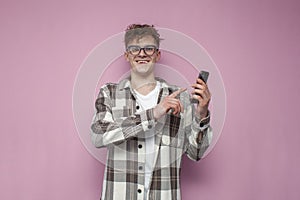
[137, 31]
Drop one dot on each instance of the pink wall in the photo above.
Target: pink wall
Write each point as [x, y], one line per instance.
[255, 45]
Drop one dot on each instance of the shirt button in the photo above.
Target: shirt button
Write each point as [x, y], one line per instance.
[137, 107]
[140, 167]
[149, 126]
[202, 124]
[140, 146]
[139, 191]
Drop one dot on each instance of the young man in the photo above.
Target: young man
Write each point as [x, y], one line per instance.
[147, 125]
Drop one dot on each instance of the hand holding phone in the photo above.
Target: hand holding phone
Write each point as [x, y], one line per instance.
[203, 75]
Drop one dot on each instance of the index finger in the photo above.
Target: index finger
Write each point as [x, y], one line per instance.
[200, 81]
[177, 92]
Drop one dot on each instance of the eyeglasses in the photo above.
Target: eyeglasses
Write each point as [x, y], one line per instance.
[149, 50]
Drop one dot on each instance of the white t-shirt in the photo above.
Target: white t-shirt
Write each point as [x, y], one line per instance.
[146, 102]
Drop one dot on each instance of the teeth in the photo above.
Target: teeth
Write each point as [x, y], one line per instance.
[142, 61]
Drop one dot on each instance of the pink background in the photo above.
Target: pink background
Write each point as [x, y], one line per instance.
[255, 45]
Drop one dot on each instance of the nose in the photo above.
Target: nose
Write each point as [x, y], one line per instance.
[142, 52]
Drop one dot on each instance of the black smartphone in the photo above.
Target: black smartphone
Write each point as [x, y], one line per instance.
[203, 75]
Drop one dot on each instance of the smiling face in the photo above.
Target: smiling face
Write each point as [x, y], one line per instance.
[143, 63]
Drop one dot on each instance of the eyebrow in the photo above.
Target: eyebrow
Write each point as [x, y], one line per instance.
[147, 45]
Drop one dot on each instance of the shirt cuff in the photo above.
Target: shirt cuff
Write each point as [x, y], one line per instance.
[199, 127]
[203, 123]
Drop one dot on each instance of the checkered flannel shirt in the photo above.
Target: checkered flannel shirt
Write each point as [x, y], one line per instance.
[117, 126]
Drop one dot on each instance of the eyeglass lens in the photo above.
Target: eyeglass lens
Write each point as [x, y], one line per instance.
[136, 50]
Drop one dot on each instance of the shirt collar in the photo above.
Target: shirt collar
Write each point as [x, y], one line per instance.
[125, 83]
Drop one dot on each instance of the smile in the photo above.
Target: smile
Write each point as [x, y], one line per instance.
[142, 61]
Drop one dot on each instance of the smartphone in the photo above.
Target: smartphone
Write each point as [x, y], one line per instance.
[203, 75]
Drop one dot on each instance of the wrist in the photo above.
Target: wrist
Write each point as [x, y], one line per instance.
[203, 115]
[158, 112]
[202, 112]
[204, 120]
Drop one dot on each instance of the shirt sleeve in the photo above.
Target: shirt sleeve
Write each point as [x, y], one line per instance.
[106, 130]
[196, 148]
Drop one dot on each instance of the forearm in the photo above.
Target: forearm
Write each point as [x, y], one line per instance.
[204, 123]
[108, 127]
[106, 130]
[199, 137]
[195, 151]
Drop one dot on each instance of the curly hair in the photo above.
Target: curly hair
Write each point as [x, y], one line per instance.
[137, 31]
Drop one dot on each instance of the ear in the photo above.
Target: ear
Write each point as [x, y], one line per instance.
[126, 56]
[158, 54]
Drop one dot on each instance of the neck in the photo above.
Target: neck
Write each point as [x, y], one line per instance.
[143, 85]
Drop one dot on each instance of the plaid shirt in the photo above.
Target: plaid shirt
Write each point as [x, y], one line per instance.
[117, 126]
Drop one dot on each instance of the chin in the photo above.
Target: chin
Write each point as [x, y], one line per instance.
[144, 72]
[143, 69]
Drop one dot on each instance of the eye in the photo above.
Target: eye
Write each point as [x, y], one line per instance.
[149, 48]
[134, 49]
